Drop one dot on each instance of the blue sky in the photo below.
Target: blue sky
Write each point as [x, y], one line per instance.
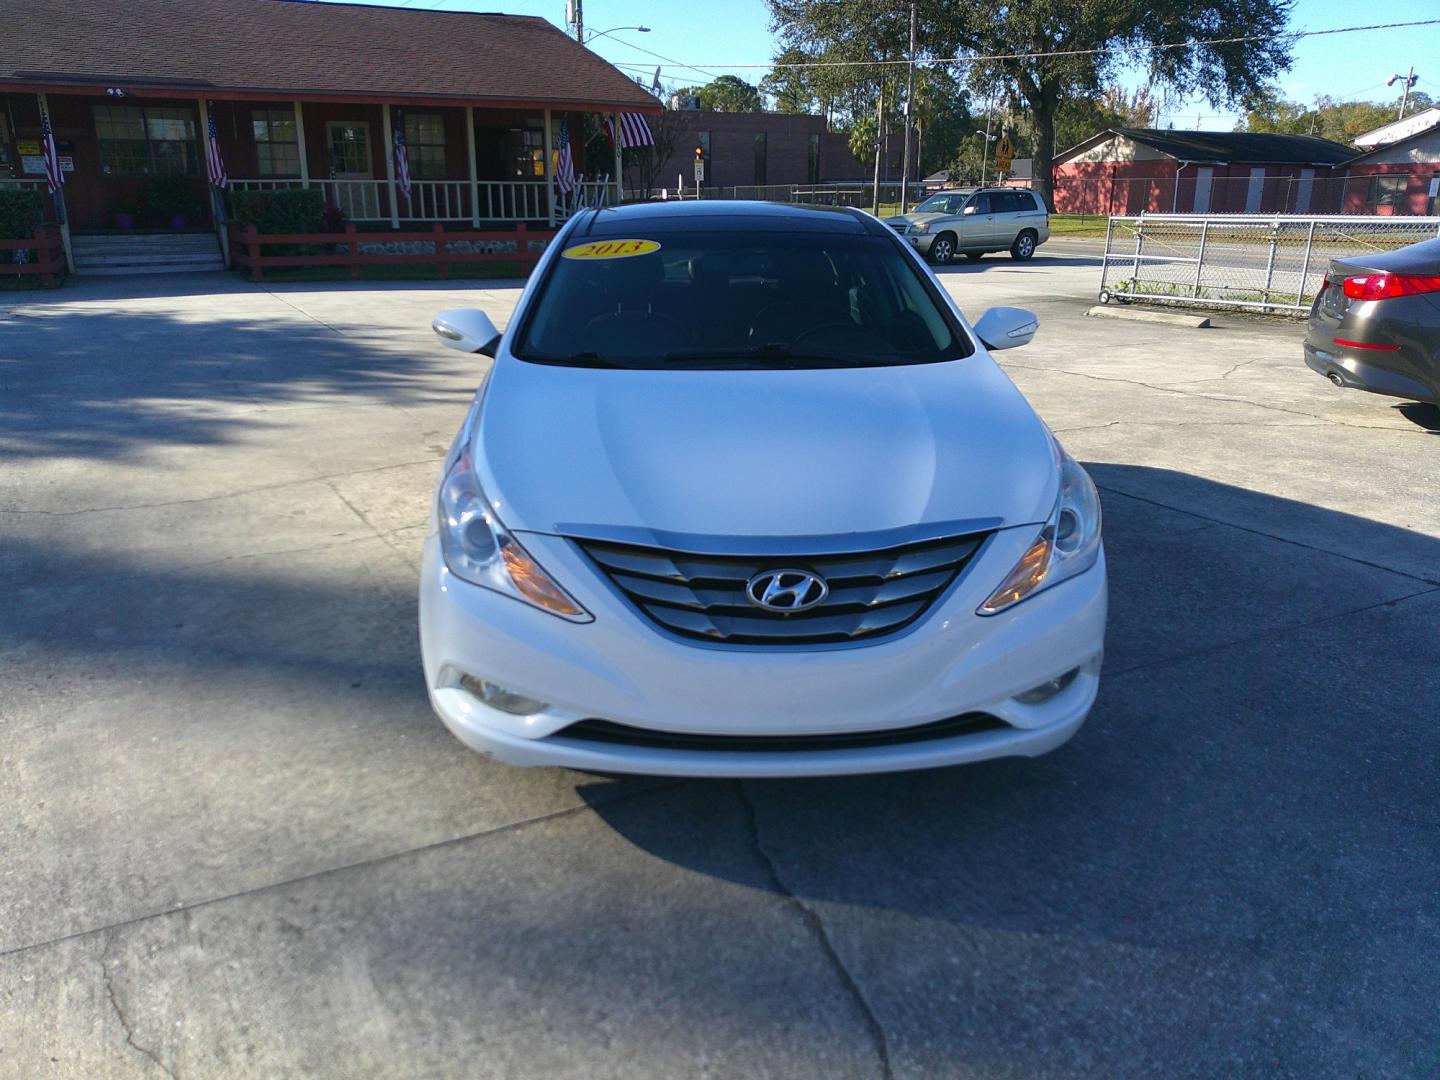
[1350, 66]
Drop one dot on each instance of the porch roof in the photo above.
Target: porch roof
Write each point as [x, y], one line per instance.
[286, 49]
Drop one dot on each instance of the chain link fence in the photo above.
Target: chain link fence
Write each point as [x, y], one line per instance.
[1268, 264]
[1186, 192]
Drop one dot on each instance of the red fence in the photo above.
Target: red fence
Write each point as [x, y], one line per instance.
[48, 261]
[440, 247]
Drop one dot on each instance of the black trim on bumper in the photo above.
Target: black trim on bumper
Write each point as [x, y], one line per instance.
[605, 731]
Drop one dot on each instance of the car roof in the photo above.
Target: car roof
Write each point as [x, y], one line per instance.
[715, 215]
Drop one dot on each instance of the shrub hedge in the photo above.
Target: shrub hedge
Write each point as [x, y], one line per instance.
[20, 211]
[288, 210]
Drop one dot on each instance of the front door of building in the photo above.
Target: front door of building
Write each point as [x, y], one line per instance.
[352, 169]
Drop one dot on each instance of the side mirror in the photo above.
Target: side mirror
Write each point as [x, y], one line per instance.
[468, 330]
[1006, 327]
[972, 208]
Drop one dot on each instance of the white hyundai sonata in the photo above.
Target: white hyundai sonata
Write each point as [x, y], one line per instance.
[743, 494]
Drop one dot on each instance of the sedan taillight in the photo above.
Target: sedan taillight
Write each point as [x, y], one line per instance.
[1389, 286]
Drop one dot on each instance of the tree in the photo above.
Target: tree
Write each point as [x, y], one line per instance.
[1078, 118]
[728, 93]
[1040, 49]
[1329, 118]
[672, 129]
[790, 89]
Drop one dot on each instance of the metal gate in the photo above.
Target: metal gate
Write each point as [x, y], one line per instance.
[1265, 263]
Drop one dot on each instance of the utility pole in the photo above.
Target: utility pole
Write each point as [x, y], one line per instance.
[1407, 81]
[909, 106]
[879, 123]
[577, 18]
[985, 150]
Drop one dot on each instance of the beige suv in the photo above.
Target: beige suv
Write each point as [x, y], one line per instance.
[975, 221]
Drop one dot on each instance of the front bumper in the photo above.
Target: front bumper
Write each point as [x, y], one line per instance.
[921, 241]
[622, 669]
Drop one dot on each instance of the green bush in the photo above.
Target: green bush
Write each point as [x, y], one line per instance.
[288, 210]
[20, 211]
[166, 196]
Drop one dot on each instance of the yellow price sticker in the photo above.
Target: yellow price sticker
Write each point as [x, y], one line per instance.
[610, 249]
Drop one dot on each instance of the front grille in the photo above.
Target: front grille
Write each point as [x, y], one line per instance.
[704, 596]
[902, 227]
[604, 731]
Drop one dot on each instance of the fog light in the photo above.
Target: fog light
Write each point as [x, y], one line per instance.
[1047, 690]
[498, 697]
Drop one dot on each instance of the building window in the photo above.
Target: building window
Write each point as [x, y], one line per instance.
[1388, 190]
[525, 149]
[702, 140]
[145, 140]
[760, 159]
[425, 145]
[812, 169]
[277, 143]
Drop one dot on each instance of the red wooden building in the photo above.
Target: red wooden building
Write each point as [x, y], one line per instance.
[1146, 170]
[303, 95]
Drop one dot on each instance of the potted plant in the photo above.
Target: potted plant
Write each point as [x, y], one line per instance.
[124, 216]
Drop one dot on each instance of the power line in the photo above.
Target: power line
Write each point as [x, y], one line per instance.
[1293, 35]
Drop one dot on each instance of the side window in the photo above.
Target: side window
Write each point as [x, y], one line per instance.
[1015, 202]
[982, 203]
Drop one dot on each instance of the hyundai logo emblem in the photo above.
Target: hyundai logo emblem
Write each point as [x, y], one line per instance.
[786, 591]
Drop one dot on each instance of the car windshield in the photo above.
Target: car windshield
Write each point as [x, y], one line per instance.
[742, 299]
[947, 203]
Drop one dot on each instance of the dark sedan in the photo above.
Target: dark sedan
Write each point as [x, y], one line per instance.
[1376, 324]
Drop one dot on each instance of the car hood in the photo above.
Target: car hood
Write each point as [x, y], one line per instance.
[915, 219]
[747, 454]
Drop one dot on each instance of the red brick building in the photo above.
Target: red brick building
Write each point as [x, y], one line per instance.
[303, 95]
[1144, 170]
[759, 150]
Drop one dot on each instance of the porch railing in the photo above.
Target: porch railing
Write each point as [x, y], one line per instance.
[442, 200]
[43, 253]
[353, 250]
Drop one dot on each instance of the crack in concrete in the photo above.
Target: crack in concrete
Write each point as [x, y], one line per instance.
[120, 1013]
[816, 927]
[331, 871]
[1213, 397]
[223, 495]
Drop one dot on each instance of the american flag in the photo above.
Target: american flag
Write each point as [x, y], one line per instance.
[564, 161]
[634, 131]
[214, 163]
[402, 159]
[54, 177]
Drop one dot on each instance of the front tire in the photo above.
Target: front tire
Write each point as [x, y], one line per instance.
[1024, 246]
[943, 249]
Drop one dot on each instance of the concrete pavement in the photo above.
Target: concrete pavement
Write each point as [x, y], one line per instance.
[237, 843]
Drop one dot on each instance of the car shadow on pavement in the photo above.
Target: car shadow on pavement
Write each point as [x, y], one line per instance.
[1422, 414]
[1235, 844]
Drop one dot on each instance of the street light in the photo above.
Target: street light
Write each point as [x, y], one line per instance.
[616, 30]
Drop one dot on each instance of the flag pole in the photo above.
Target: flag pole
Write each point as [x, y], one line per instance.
[57, 194]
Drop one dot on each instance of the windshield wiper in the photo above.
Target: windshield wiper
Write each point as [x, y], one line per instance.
[770, 351]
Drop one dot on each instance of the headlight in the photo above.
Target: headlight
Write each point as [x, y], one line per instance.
[478, 549]
[1068, 545]
[920, 227]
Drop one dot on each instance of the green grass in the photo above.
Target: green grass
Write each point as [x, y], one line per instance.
[1092, 225]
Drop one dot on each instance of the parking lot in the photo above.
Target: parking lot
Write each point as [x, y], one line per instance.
[235, 840]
